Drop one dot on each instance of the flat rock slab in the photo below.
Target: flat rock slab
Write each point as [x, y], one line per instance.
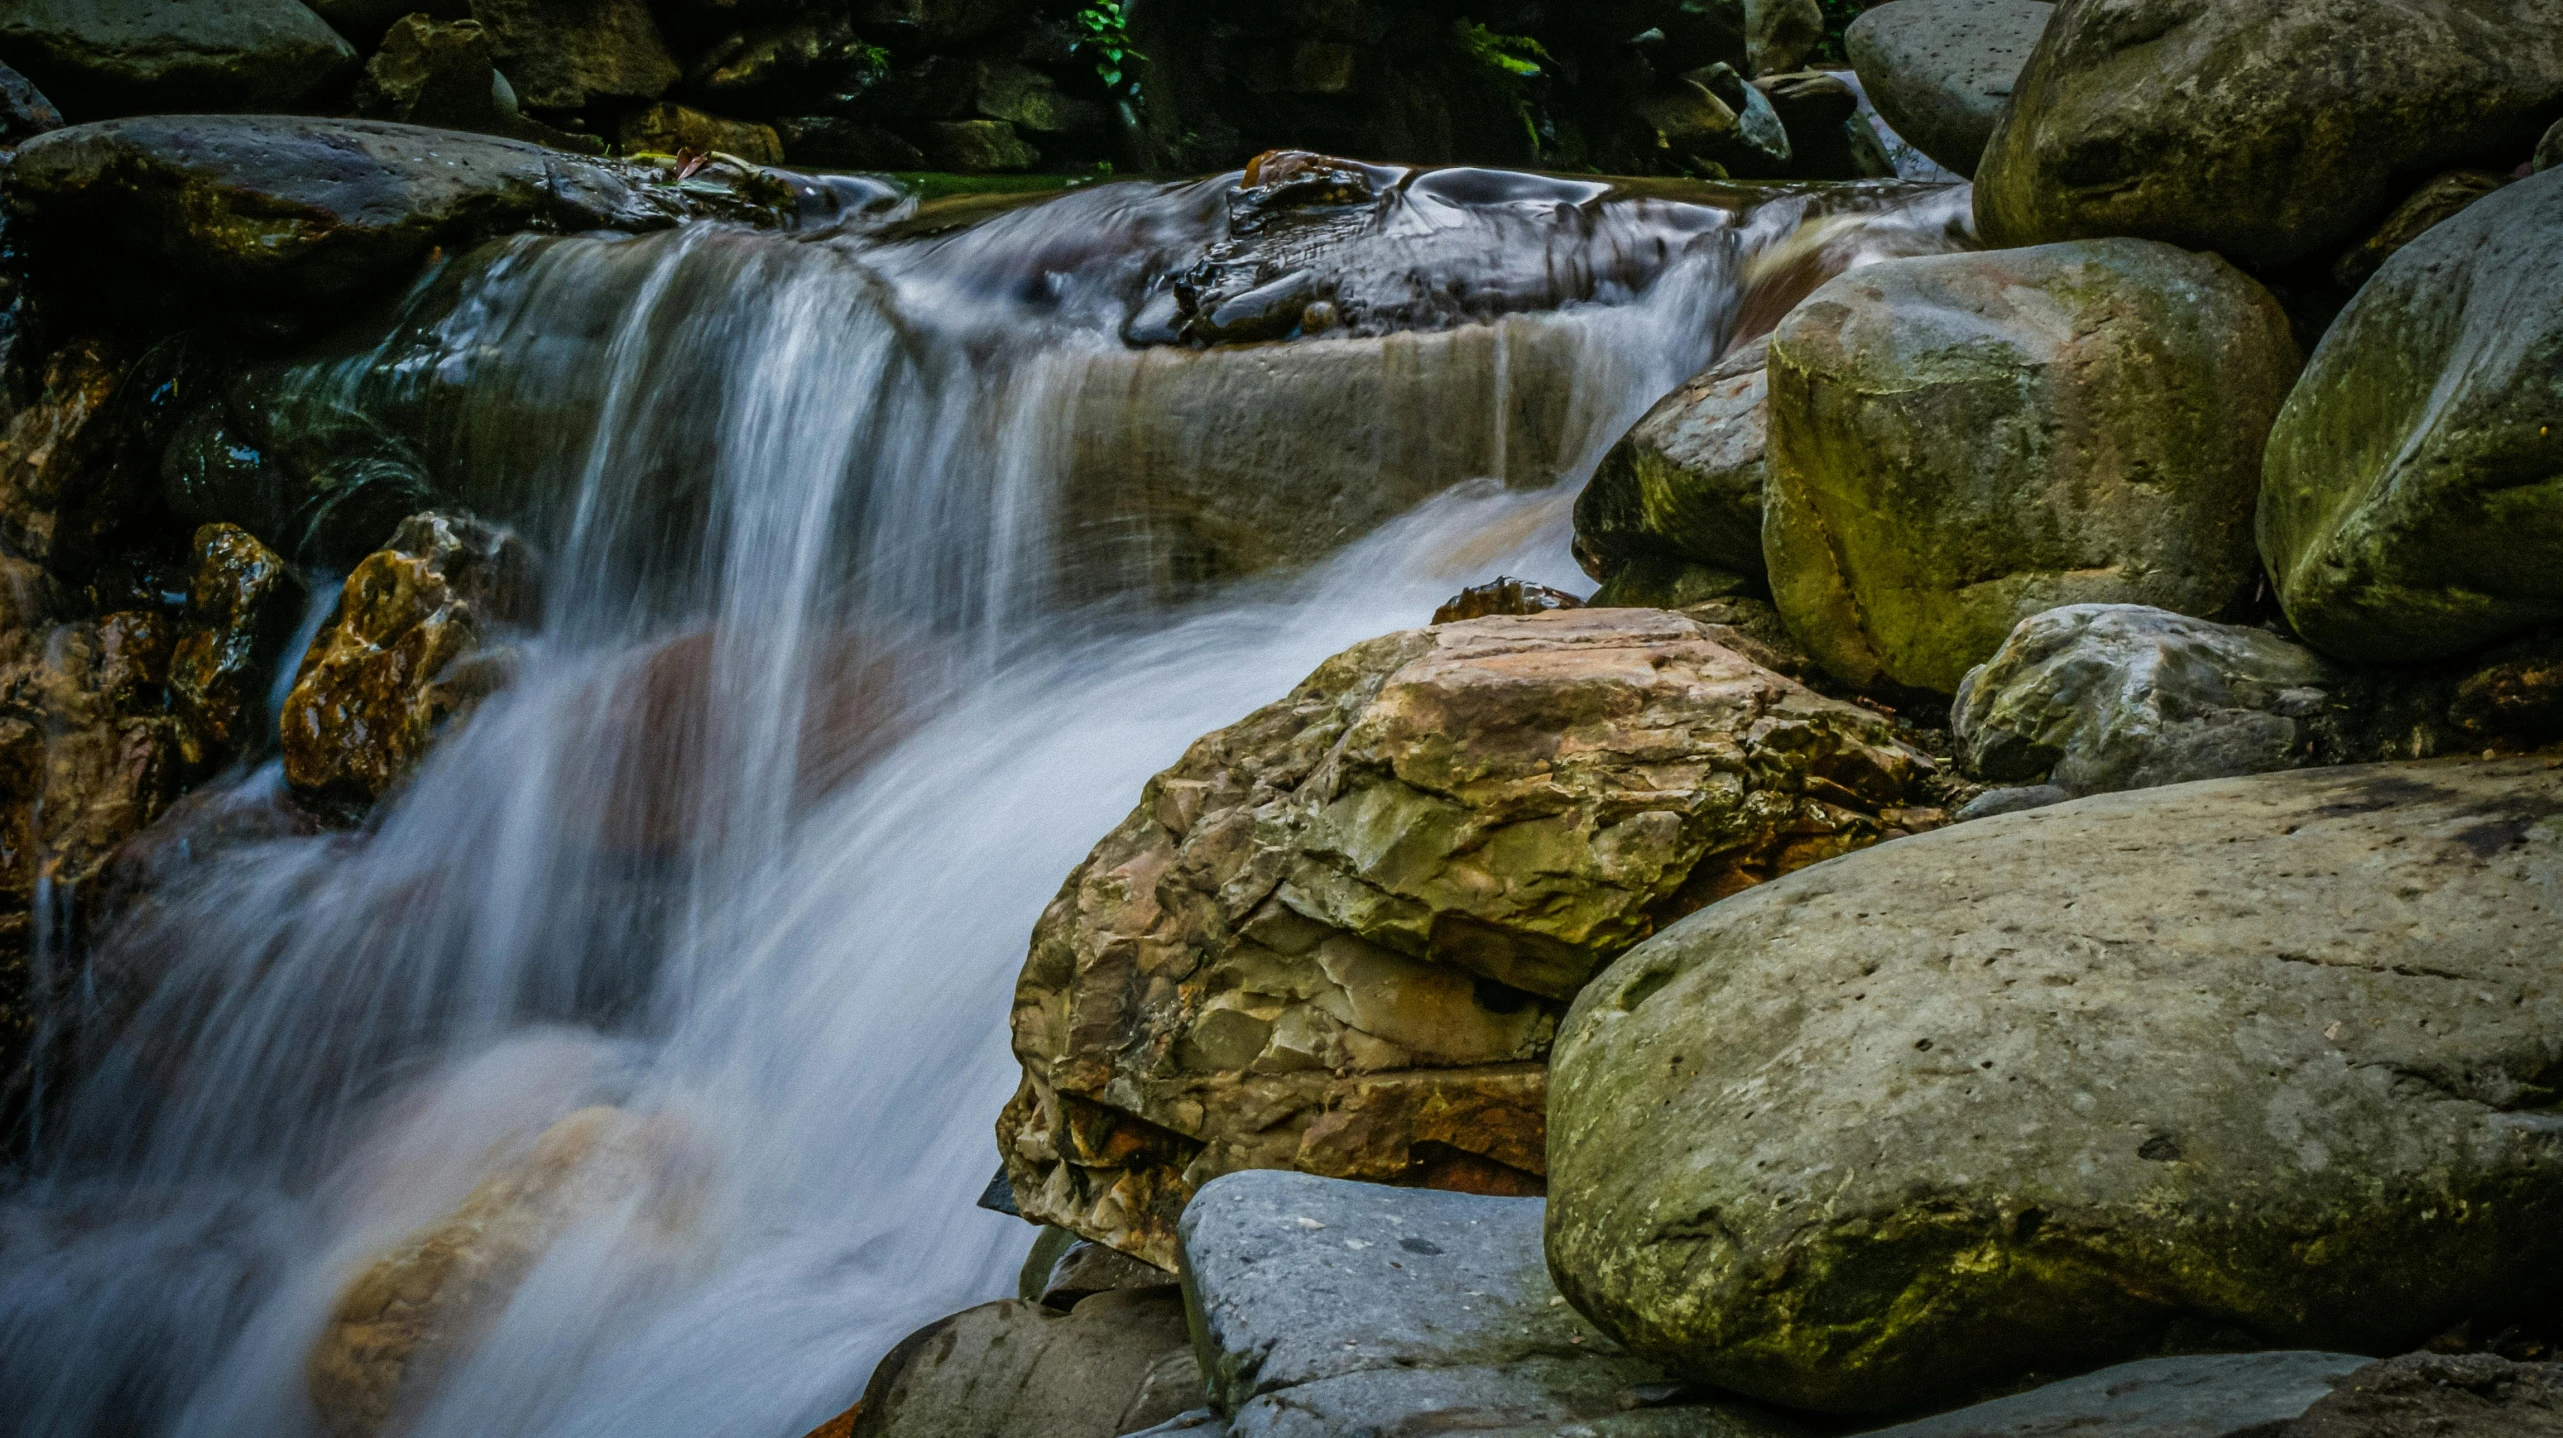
[2220, 1395]
[276, 209]
[1322, 1306]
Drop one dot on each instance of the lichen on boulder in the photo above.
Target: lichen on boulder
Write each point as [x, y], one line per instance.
[1336, 936]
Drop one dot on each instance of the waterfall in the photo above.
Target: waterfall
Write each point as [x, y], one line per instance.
[879, 574]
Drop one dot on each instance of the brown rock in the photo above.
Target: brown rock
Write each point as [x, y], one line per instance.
[387, 670]
[1336, 936]
[562, 54]
[1503, 595]
[62, 486]
[424, 1302]
[240, 608]
[667, 128]
[2444, 1395]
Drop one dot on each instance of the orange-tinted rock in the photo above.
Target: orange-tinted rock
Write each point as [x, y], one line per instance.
[240, 608]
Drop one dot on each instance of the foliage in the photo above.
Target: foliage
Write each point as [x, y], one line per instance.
[1519, 56]
[1104, 32]
[1838, 15]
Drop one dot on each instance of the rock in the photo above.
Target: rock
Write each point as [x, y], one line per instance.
[24, 110]
[2267, 130]
[1696, 128]
[975, 147]
[1335, 936]
[1816, 110]
[2016, 800]
[391, 665]
[835, 140]
[666, 129]
[1327, 1307]
[817, 65]
[2249, 1062]
[1116, 1363]
[1030, 100]
[273, 212]
[2549, 151]
[126, 57]
[1504, 595]
[1940, 71]
[566, 54]
[1780, 34]
[941, 24]
[428, 73]
[2407, 511]
[1686, 483]
[2446, 1395]
[1087, 1268]
[67, 481]
[1960, 441]
[2222, 1395]
[2431, 204]
[421, 1305]
[241, 608]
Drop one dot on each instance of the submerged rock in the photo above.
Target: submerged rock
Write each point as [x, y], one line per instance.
[2267, 130]
[1940, 71]
[2255, 1061]
[1117, 1362]
[128, 57]
[2408, 512]
[1960, 441]
[2219, 1395]
[394, 663]
[421, 1306]
[1329, 1308]
[1335, 937]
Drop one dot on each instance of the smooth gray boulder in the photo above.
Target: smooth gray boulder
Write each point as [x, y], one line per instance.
[1116, 1363]
[1940, 71]
[2410, 509]
[2099, 697]
[99, 58]
[2265, 130]
[1325, 1307]
[2208, 1395]
[2258, 1061]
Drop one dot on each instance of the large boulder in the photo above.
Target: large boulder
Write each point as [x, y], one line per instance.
[2409, 510]
[1336, 936]
[1940, 71]
[567, 54]
[1327, 1308]
[2207, 1395]
[2262, 1061]
[1117, 1362]
[127, 57]
[278, 213]
[2263, 129]
[421, 1305]
[1960, 441]
[402, 655]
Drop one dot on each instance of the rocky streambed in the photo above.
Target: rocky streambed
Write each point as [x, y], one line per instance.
[596, 684]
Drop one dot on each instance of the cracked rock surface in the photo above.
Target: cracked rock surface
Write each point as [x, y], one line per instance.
[2256, 1062]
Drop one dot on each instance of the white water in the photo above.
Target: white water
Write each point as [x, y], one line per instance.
[807, 973]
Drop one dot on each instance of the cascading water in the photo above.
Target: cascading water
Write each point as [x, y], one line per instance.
[860, 627]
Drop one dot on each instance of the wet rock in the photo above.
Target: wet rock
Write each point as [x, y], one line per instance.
[427, 73]
[394, 663]
[811, 64]
[2445, 1395]
[1686, 483]
[2268, 130]
[1030, 100]
[1960, 441]
[66, 483]
[566, 54]
[1115, 1363]
[126, 57]
[1780, 34]
[421, 1306]
[274, 212]
[1336, 935]
[241, 608]
[1817, 110]
[24, 110]
[1327, 1307]
[853, 144]
[667, 129]
[2407, 512]
[1504, 595]
[1088, 1268]
[976, 147]
[1695, 127]
[1940, 71]
[2223, 1395]
[2431, 204]
[1969, 1106]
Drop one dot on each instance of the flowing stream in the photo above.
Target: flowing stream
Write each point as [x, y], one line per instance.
[854, 641]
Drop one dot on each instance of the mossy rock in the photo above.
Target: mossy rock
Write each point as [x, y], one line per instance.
[1958, 442]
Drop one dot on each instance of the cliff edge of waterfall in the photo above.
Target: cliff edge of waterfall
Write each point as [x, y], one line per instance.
[561, 563]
